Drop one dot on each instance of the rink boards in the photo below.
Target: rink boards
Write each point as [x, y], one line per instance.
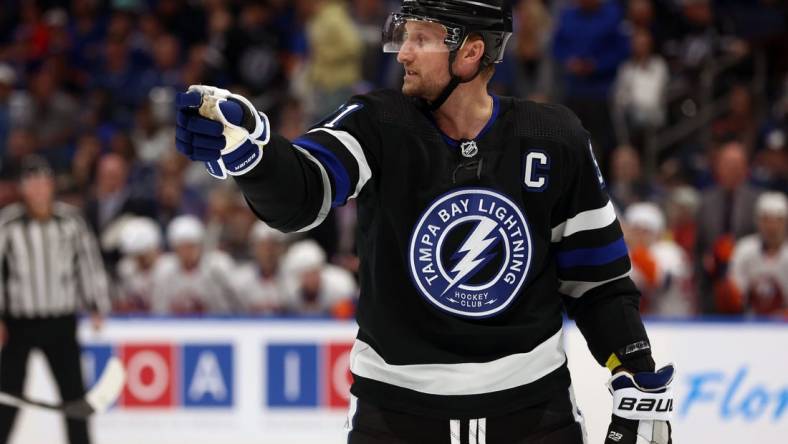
[237, 381]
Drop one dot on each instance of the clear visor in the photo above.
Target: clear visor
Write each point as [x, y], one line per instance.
[413, 33]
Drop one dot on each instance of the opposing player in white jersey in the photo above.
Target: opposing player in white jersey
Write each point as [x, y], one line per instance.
[140, 245]
[481, 219]
[660, 268]
[190, 280]
[759, 262]
[260, 281]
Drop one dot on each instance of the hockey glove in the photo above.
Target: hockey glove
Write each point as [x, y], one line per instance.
[221, 129]
[642, 407]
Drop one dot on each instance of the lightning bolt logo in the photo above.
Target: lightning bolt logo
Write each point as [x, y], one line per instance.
[474, 248]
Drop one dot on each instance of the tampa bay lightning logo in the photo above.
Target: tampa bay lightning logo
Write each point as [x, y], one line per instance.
[470, 252]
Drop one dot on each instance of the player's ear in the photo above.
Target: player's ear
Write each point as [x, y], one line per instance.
[470, 55]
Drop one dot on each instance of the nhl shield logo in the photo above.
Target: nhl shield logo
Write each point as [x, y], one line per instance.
[469, 148]
[470, 252]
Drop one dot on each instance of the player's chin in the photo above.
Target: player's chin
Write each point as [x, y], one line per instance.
[412, 89]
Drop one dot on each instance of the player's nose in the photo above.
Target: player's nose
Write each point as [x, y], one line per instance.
[405, 54]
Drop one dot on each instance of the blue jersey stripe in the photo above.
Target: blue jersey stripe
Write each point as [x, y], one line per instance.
[332, 165]
[589, 257]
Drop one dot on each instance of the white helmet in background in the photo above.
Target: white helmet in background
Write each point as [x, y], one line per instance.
[771, 204]
[302, 256]
[647, 216]
[139, 235]
[185, 229]
[261, 231]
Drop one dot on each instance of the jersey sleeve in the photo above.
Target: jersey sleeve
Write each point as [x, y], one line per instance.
[592, 259]
[297, 183]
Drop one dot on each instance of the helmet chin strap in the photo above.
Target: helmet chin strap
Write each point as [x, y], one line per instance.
[454, 82]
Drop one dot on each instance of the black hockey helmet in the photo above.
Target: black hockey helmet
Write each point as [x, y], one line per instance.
[491, 19]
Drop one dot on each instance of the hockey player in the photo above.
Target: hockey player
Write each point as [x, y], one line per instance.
[313, 287]
[260, 280]
[660, 268]
[759, 261]
[190, 280]
[140, 244]
[480, 220]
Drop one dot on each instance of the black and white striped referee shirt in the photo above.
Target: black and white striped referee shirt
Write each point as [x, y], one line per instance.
[49, 268]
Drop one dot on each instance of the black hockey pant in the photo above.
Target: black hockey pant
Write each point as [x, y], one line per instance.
[554, 422]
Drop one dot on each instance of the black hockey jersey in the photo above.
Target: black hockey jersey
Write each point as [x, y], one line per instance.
[470, 250]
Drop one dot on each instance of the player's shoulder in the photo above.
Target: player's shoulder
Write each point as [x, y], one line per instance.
[549, 121]
[11, 213]
[385, 105]
[748, 246]
[67, 211]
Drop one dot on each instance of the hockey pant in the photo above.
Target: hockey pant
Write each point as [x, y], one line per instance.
[556, 421]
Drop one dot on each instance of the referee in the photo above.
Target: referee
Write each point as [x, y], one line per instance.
[50, 268]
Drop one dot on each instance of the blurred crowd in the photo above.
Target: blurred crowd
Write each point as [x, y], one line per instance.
[686, 102]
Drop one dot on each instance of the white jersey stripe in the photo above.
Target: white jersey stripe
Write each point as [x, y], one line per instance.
[24, 271]
[326, 206]
[473, 431]
[576, 289]
[577, 414]
[454, 431]
[53, 264]
[482, 430]
[38, 272]
[354, 147]
[587, 220]
[351, 414]
[461, 379]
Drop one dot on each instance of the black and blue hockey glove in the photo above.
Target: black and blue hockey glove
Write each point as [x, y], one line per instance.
[221, 129]
[642, 407]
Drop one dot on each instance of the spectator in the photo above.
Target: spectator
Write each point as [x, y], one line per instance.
[534, 69]
[740, 122]
[166, 70]
[313, 287]
[121, 77]
[262, 279]
[759, 263]
[54, 115]
[589, 44]
[639, 91]
[334, 66]
[725, 215]
[250, 48]
[228, 222]
[140, 245]
[191, 280]
[87, 29]
[152, 136]
[698, 38]
[368, 15]
[641, 15]
[21, 143]
[7, 81]
[627, 184]
[660, 268]
[83, 165]
[113, 202]
[682, 209]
